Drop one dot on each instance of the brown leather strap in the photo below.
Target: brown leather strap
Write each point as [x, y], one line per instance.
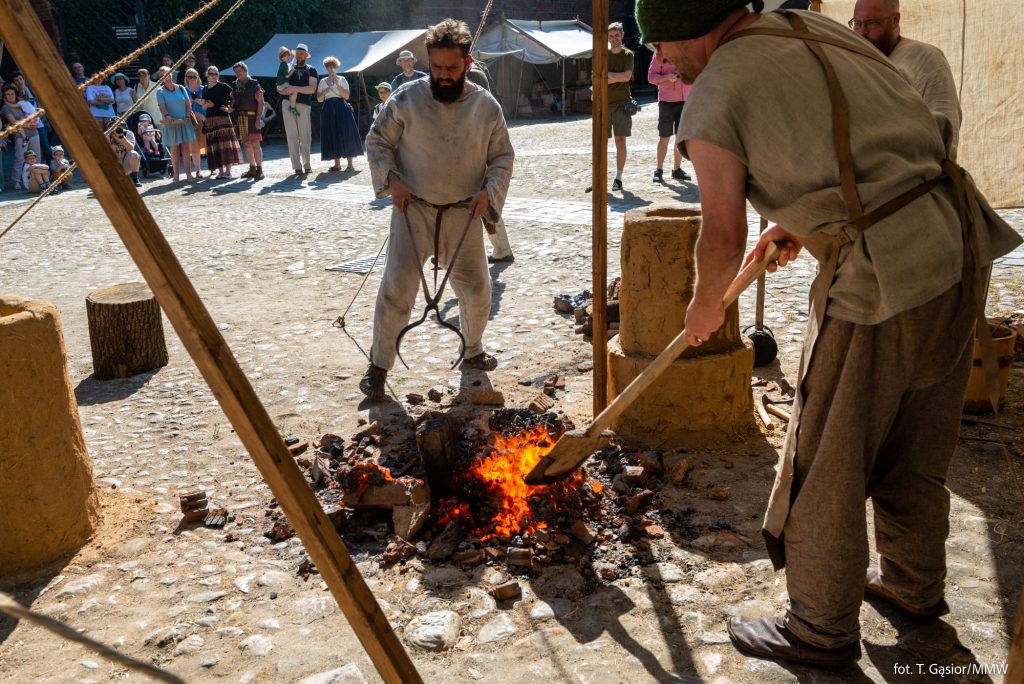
[895, 204]
[862, 50]
[840, 124]
[438, 217]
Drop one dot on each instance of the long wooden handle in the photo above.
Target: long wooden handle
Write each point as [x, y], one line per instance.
[759, 312]
[34, 52]
[676, 347]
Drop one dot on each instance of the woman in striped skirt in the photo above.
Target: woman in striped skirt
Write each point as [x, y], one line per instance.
[222, 149]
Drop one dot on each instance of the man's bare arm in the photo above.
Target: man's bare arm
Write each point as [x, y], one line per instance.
[723, 235]
[620, 76]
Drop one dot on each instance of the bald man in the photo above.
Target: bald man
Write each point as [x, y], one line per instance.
[924, 65]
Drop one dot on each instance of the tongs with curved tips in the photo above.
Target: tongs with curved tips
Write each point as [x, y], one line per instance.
[435, 299]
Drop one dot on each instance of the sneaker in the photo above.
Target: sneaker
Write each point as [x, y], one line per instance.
[44, 186]
[307, 171]
[372, 384]
[616, 185]
[659, 176]
[679, 174]
[482, 361]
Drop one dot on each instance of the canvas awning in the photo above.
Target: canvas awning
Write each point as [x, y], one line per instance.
[536, 42]
[356, 51]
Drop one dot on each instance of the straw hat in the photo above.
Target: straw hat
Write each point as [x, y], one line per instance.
[405, 54]
[282, 50]
[383, 85]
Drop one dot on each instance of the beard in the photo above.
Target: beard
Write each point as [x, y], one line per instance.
[447, 93]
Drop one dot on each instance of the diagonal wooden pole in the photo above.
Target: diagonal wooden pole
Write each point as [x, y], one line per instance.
[599, 200]
[36, 55]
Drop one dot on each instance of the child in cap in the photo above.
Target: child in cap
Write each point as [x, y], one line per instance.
[383, 92]
[58, 165]
[34, 177]
[285, 70]
[148, 134]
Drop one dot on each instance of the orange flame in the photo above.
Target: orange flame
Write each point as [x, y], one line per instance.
[503, 473]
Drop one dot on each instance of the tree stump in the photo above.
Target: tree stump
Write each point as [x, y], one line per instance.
[125, 331]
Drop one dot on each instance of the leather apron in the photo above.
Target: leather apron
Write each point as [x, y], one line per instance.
[826, 248]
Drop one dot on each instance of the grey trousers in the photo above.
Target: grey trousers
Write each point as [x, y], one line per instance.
[880, 419]
[299, 134]
[400, 287]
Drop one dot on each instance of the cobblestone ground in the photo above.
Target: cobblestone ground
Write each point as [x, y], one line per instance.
[211, 609]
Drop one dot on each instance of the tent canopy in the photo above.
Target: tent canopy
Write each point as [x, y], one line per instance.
[536, 42]
[356, 51]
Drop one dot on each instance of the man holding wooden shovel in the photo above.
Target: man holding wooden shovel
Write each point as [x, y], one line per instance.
[823, 136]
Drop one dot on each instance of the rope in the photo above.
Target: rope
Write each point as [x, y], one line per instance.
[103, 75]
[339, 322]
[54, 183]
[480, 28]
[14, 609]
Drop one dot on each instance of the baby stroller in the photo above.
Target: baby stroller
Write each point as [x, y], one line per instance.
[150, 163]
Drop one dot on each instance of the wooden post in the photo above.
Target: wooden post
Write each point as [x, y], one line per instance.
[32, 50]
[815, 5]
[599, 185]
[126, 331]
[1015, 663]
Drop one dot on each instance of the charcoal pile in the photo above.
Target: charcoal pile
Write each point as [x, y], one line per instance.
[463, 499]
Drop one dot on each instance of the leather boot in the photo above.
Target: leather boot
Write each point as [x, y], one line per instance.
[259, 173]
[767, 637]
[873, 586]
[250, 173]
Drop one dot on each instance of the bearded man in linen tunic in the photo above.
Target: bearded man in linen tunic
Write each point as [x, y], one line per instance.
[880, 392]
[924, 65]
[438, 141]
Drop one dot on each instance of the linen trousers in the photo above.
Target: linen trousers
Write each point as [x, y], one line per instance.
[300, 135]
[880, 419]
[500, 246]
[400, 287]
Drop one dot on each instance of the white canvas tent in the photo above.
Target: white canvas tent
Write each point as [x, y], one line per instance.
[536, 43]
[981, 40]
[357, 52]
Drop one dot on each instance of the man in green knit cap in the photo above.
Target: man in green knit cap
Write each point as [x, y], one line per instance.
[826, 139]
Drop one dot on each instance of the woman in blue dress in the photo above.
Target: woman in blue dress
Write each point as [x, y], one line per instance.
[176, 125]
[339, 136]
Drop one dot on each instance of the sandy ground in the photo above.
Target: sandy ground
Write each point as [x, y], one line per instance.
[210, 609]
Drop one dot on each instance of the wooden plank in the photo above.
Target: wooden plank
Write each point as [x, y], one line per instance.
[66, 109]
[599, 200]
[1015, 663]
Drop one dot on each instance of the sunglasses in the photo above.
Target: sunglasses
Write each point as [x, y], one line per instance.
[191, 78]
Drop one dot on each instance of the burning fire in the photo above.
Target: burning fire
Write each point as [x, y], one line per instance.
[502, 474]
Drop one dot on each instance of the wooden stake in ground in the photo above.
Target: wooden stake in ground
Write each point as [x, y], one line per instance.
[33, 51]
[1015, 663]
[599, 200]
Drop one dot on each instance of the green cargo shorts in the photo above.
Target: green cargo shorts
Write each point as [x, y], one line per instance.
[619, 122]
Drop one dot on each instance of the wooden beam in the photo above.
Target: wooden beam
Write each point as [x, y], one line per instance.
[599, 200]
[66, 109]
[1015, 663]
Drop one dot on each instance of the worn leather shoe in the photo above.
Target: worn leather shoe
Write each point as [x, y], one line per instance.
[766, 637]
[873, 586]
[372, 384]
[482, 361]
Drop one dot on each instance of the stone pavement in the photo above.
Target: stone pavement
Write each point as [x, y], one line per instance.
[228, 605]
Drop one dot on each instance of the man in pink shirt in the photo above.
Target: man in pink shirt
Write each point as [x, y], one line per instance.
[672, 94]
